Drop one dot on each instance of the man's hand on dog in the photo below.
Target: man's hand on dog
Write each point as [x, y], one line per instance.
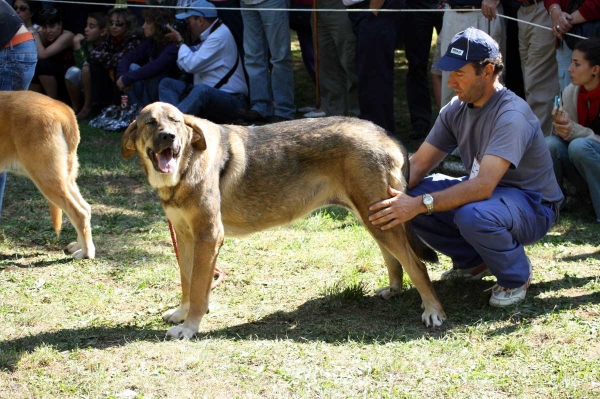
[396, 210]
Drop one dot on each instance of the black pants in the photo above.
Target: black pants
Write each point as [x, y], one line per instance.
[375, 45]
[418, 30]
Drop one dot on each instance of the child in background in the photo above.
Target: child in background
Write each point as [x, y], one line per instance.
[103, 60]
[55, 54]
[78, 78]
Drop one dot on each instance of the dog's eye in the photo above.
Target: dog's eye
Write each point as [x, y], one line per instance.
[151, 122]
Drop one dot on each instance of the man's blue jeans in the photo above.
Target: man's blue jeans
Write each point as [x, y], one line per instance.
[269, 32]
[203, 101]
[493, 231]
[17, 66]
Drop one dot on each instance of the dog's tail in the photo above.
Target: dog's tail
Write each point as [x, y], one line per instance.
[422, 250]
[56, 215]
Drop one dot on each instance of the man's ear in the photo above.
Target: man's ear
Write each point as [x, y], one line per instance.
[128, 141]
[198, 140]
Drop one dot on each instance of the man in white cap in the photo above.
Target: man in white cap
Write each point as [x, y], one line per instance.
[511, 197]
[219, 90]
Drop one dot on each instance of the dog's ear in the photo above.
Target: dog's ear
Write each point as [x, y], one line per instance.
[198, 140]
[128, 141]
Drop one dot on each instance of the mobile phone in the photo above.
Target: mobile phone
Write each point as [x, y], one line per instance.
[556, 104]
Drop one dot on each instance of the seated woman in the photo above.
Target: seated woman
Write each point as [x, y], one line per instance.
[575, 148]
[55, 54]
[103, 60]
[25, 10]
[141, 70]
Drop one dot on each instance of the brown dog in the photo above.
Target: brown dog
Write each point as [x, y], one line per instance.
[38, 139]
[217, 180]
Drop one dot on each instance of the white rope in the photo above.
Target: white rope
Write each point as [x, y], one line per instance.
[444, 10]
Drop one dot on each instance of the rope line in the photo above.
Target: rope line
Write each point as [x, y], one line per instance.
[303, 10]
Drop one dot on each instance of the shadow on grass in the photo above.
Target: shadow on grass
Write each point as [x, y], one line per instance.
[368, 320]
[72, 339]
[371, 320]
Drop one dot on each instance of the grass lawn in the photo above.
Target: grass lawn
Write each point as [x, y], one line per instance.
[296, 316]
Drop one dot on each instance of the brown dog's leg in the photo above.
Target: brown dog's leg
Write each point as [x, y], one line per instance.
[198, 274]
[397, 243]
[395, 273]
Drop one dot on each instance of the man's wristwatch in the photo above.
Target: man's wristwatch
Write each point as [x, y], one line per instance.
[179, 43]
[428, 202]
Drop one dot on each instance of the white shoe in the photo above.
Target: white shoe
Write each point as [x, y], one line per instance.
[502, 296]
[315, 114]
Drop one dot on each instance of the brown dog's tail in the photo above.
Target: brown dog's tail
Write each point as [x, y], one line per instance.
[422, 250]
[56, 215]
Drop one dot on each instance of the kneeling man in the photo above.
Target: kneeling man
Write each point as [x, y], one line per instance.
[511, 197]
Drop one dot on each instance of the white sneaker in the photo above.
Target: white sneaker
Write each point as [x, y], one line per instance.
[472, 274]
[502, 296]
[304, 110]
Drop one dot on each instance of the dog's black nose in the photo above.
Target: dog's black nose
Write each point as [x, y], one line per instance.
[166, 136]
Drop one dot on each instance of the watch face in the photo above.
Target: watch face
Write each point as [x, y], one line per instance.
[427, 199]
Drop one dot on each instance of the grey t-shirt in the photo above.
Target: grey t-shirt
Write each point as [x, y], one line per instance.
[505, 127]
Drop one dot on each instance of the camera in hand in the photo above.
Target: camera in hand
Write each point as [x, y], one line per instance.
[179, 25]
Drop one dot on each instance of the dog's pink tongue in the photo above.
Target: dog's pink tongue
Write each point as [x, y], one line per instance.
[166, 162]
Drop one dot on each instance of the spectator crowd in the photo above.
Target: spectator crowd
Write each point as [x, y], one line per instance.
[231, 61]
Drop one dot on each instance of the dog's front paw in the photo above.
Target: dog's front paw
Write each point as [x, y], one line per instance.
[73, 247]
[181, 332]
[387, 292]
[78, 252]
[433, 318]
[175, 316]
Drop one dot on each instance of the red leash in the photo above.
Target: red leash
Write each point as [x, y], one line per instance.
[218, 272]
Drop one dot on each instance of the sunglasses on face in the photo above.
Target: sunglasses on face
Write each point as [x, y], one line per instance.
[21, 8]
[48, 11]
[118, 24]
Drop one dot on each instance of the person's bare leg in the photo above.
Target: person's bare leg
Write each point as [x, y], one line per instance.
[74, 95]
[50, 85]
[86, 81]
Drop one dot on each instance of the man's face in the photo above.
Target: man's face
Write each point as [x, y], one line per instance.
[467, 85]
[196, 25]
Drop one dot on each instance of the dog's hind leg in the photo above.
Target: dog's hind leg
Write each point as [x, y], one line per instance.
[398, 244]
[395, 273]
[84, 246]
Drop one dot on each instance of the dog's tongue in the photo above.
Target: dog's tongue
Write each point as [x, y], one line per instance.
[166, 162]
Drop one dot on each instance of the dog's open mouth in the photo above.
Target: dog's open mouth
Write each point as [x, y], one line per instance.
[164, 161]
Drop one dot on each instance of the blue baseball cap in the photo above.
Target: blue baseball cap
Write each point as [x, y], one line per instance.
[467, 46]
[199, 8]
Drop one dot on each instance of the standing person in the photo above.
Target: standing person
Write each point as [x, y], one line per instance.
[18, 57]
[271, 89]
[563, 20]
[142, 69]
[576, 147]
[219, 89]
[418, 28]
[511, 198]
[338, 84]
[376, 36]
[78, 78]
[55, 54]
[538, 57]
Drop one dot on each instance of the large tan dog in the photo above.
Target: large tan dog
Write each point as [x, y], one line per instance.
[217, 180]
[38, 139]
